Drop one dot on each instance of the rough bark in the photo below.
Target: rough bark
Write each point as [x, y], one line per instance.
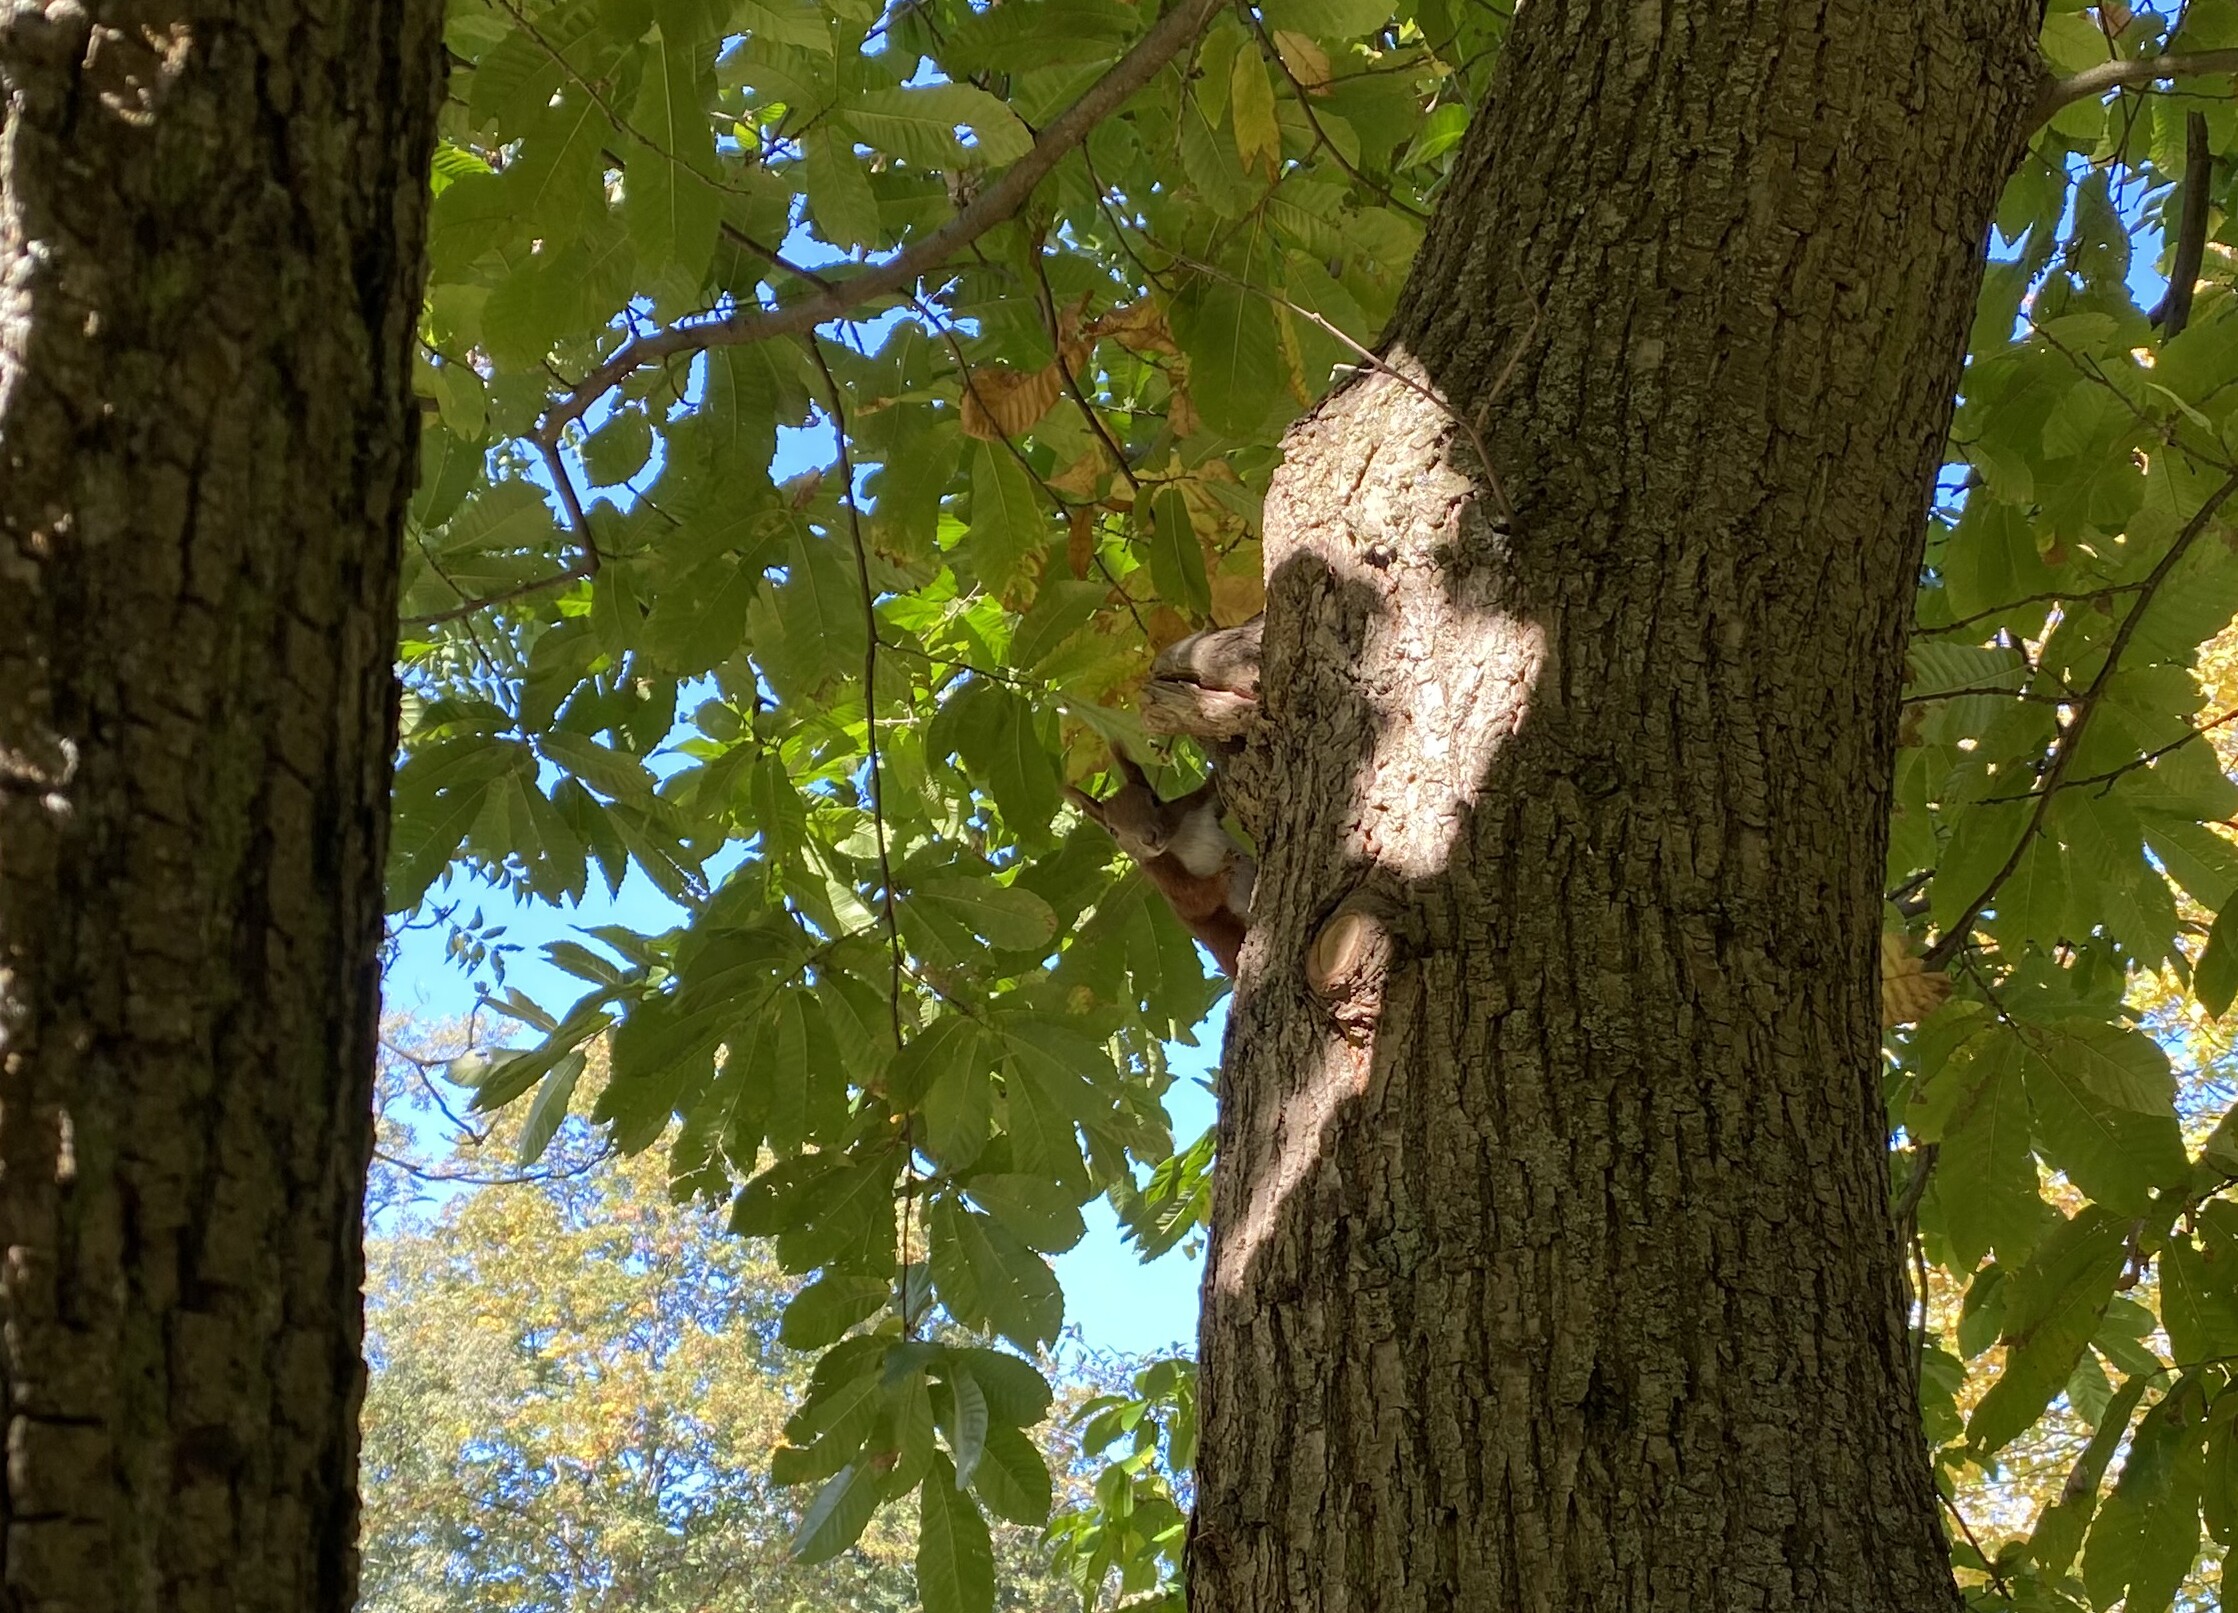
[211, 222]
[1553, 1264]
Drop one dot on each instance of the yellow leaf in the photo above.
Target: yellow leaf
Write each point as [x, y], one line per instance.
[1001, 402]
[1908, 991]
[1293, 359]
[1251, 105]
[1307, 61]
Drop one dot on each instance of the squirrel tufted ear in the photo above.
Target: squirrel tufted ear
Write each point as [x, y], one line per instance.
[1128, 768]
[1087, 803]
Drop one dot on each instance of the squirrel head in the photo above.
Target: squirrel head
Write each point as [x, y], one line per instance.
[1133, 815]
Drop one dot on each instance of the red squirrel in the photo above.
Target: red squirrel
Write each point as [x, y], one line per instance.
[1184, 850]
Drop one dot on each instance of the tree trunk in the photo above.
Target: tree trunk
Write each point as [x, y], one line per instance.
[210, 274]
[1553, 1263]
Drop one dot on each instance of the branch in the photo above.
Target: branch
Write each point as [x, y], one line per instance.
[2092, 82]
[2174, 312]
[564, 481]
[2086, 703]
[992, 206]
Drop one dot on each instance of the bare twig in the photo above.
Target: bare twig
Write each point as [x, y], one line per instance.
[992, 206]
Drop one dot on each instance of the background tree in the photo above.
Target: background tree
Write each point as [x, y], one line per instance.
[1557, 1254]
[576, 1387]
[210, 258]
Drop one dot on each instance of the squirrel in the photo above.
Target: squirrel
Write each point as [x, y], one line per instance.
[1185, 851]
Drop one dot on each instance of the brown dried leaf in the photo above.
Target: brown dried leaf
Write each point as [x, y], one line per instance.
[1000, 402]
[1081, 478]
[1166, 625]
[1080, 543]
[1181, 413]
[1908, 991]
[1237, 597]
[1140, 326]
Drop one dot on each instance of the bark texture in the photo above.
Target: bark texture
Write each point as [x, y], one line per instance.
[211, 224]
[1553, 1263]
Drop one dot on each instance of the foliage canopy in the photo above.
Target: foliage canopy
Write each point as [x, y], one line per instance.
[914, 1017]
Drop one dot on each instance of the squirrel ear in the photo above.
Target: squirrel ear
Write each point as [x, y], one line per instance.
[1088, 804]
[1128, 770]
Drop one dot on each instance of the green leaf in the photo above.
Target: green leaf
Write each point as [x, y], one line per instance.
[1001, 915]
[1251, 115]
[2055, 1305]
[958, 1108]
[968, 1428]
[1012, 1478]
[1228, 333]
[2112, 1152]
[545, 1115]
[1176, 556]
[2146, 1535]
[2059, 1530]
[937, 1053]
[989, 1279]
[837, 1517]
[919, 123]
[828, 1307]
[839, 195]
[955, 1558]
[1985, 1181]
[669, 208]
[2215, 981]
[1017, 1394]
[1328, 19]
[1006, 522]
[1441, 132]
[1044, 1214]
[2199, 1299]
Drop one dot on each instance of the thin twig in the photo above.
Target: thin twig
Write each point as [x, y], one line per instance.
[2063, 754]
[1313, 121]
[1048, 301]
[891, 918]
[1375, 361]
[1967, 1529]
[2059, 599]
[2130, 766]
[474, 607]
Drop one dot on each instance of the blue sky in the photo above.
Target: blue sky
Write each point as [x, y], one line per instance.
[1118, 1302]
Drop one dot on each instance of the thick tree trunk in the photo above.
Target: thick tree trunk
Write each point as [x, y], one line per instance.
[1553, 1262]
[210, 272]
